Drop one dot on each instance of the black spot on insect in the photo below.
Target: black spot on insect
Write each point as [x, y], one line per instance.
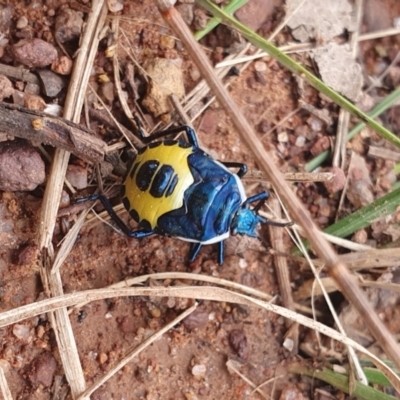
[184, 145]
[122, 191]
[170, 142]
[133, 170]
[171, 186]
[134, 215]
[142, 150]
[145, 174]
[145, 224]
[126, 203]
[161, 181]
[154, 144]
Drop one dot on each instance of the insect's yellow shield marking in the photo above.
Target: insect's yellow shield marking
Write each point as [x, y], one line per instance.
[147, 206]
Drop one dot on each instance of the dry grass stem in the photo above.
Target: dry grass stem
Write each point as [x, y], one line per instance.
[5, 390]
[339, 151]
[230, 364]
[192, 292]
[381, 152]
[136, 351]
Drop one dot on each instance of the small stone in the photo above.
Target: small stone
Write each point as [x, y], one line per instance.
[323, 143]
[21, 332]
[22, 22]
[300, 141]
[238, 341]
[288, 344]
[102, 358]
[196, 319]
[291, 394]
[28, 255]
[68, 25]
[260, 66]
[34, 53]
[337, 182]
[315, 124]
[186, 11]
[200, 19]
[6, 13]
[51, 83]
[65, 200]
[77, 176]
[360, 236]
[21, 167]
[115, 5]
[62, 66]
[42, 369]
[195, 74]
[165, 79]
[167, 42]
[199, 370]
[107, 90]
[34, 102]
[6, 88]
[283, 137]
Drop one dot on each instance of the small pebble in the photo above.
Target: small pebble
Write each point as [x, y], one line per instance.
[167, 42]
[260, 66]
[62, 66]
[115, 5]
[300, 141]
[6, 88]
[68, 25]
[34, 53]
[186, 11]
[21, 331]
[238, 341]
[195, 74]
[22, 22]
[102, 358]
[196, 319]
[200, 19]
[21, 167]
[50, 82]
[199, 370]
[315, 124]
[283, 137]
[77, 176]
[42, 369]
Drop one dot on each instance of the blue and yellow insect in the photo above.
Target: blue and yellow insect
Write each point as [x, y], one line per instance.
[173, 188]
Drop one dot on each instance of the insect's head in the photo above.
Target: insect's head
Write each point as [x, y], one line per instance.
[246, 222]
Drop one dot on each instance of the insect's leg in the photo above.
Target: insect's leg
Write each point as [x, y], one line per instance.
[242, 167]
[191, 134]
[141, 233]
[261, 197]
[221, 250]
[194, 251]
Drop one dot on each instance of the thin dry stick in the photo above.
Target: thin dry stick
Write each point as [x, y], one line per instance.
[72, 110]
[282, 271]
[325, 251]
[204, 292]
[136, 351]
[5, 390]
[339, 153]
[232, 367]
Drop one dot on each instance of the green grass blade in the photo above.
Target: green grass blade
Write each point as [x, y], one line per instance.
[299, 70]
[363, 217]
[388, 102]
[341, 382]
[214, 21]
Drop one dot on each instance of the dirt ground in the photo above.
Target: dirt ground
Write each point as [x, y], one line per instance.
[190, 361]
